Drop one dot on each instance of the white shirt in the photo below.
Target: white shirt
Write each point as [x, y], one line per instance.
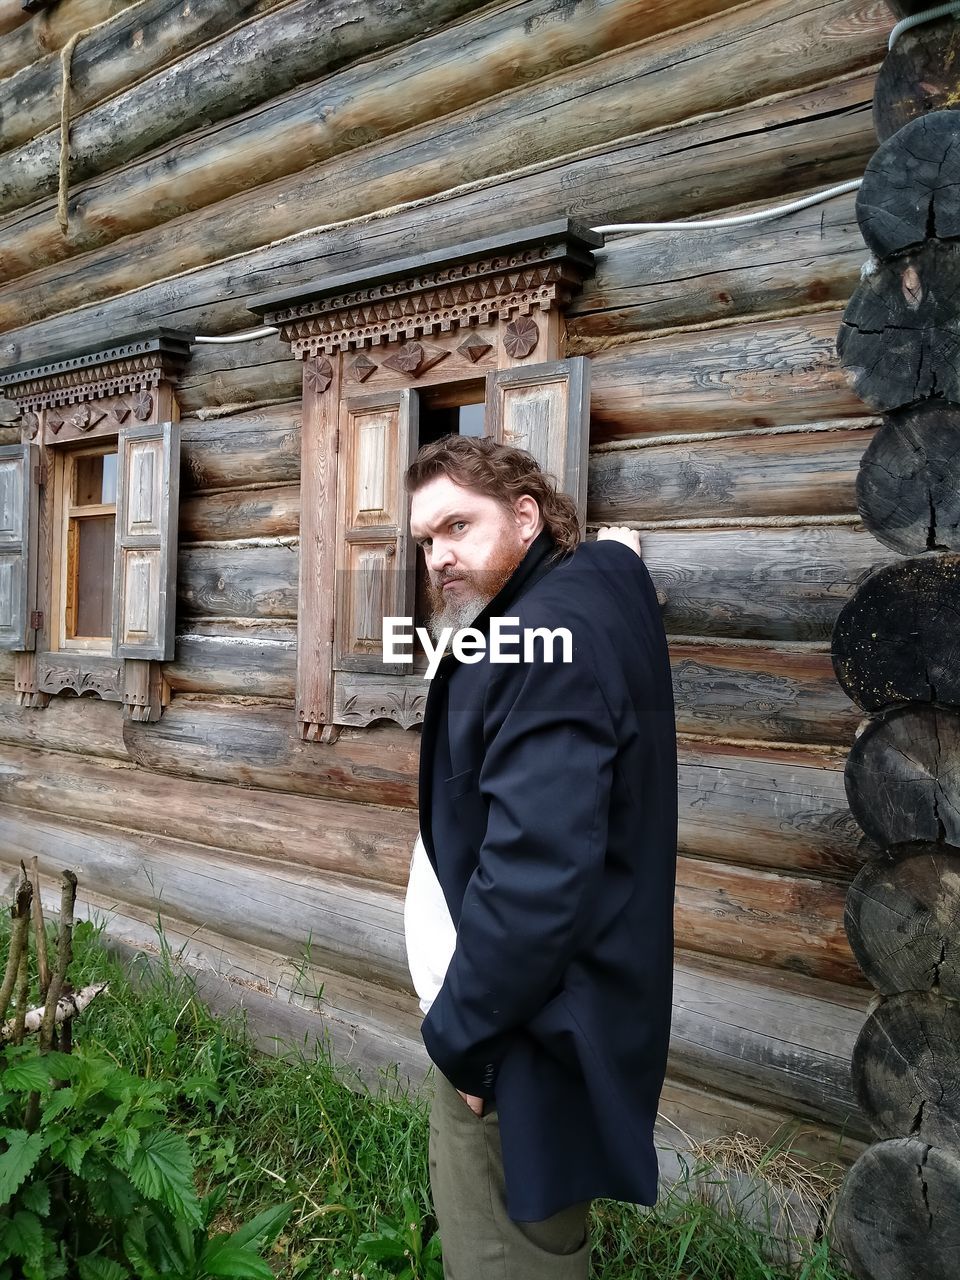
[428, 928]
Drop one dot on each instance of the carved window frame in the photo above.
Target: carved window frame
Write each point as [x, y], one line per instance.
[375, 339]
[122, 393]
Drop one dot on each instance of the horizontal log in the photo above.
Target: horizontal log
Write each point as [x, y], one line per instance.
[822, 134]
[206, 83]
[675, 77]
[767, 918]
[759, 475]
[665, 279]
[12, 15]
[774, 809]
[774, 1038]
[760, 582]
[28, 37]
[238, 582]
[346, 838]
[246, 662]
[127, 47]
[775, 692]
[83, 725]
[260, 447]
[263, 370]
[273, 511]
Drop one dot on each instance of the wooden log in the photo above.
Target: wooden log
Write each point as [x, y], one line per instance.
[766, 808]
[226, 581]
[898, 1212]
[255, 448]
[823, 132]
[909, 191]
[905, 1069]
[907, 490]
[220, 657]
[12, 15]
[768, 918]
[270, 512]
[775, 692]
[344, 837]
[772, 583]
[664, 279]
[263, 370]
[760, 475]
[901, 921]
[897, 640]
[205, 82]
[670, 79]
[918, 75]
[82, 725]
[900, 336]
[31, 36]
[903, 777]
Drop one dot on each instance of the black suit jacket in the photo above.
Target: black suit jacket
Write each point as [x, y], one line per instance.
[548, 806]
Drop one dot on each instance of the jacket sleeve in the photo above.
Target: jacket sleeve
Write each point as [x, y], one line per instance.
[550, 746]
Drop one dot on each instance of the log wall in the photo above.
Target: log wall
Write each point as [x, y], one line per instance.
[334, 137]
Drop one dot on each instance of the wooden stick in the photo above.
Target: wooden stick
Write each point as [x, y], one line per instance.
[68, 1006]
[20, 912]
[40, 934]
[68, 899]
[23, 991]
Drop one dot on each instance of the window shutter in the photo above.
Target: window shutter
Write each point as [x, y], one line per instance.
[19, 504]
[375, 570]
[545, 409]
[145, 566]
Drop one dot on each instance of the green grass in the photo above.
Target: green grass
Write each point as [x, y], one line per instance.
[354, 1163]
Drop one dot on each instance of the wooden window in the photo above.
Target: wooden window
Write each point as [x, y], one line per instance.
[84, 581]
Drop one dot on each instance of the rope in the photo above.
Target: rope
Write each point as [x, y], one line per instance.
[66, 58]
[927, 15]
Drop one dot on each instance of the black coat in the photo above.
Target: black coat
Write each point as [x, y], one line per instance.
[548, 807]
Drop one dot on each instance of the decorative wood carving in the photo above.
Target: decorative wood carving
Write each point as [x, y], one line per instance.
[359, 700]
[31, 425]
[81, 673]
[143, 406]
[318, 375]
[362, 368]
[414, 358]
[521, 336]
[481, 282]
[474, 348]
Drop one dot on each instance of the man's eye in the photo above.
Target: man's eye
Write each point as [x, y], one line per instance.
[424, 542]
[459, 525]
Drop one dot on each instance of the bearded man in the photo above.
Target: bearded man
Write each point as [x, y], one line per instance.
[548, 810]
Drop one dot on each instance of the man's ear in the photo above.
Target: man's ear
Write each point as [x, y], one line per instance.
[526, 512]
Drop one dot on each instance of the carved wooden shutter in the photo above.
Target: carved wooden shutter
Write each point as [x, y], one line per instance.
[375, 570]
[19, 492]
[545, 409]
[145, 571]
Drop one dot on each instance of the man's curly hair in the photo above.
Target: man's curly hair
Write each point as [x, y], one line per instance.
[502, 473]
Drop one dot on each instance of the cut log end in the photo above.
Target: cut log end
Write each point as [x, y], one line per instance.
[919, 75]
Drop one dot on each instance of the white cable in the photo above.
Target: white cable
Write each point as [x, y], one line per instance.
[741, 219]
[248, 335]
[928, 15]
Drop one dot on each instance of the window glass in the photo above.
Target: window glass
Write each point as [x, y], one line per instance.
[94, 569]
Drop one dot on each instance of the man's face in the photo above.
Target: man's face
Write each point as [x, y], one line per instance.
[471, 546]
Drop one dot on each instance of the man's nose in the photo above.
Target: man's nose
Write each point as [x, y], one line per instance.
[441, 557]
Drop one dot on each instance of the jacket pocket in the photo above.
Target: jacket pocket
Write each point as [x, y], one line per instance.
[460, 784]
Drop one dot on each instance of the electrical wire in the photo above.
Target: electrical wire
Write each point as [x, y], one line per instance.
[927, 15]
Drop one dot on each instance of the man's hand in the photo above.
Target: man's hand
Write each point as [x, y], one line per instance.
[620, 533]
[475, 1104]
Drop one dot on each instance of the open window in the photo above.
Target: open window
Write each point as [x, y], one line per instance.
[468, 340]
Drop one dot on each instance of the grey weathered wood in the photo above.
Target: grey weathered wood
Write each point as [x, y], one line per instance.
[261, 447]
[762, 475]
[229, 581]
[909, 190]
[19, 526]
[905, 1069]
[898, 640]
[908, 489]
[213, 81]
[259, 663]
[901, 919]
[903, 777]
[825, 127]
[27, 37]
[145, 565]
[545, 409]
[272, 511]
[85, 726]
[900, 336]
[898, 1213]
[918, 75]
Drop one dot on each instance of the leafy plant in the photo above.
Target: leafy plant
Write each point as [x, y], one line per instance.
[401, 1249]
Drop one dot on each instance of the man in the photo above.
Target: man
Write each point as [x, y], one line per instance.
[548, 816]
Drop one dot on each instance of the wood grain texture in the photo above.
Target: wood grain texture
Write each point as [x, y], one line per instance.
[918, 75]
[26, 37]
[762, 475]
[903, 777]
[897, 1213]
[898, 639]
[901, 918]
[905, 1069]
[551, 61]
[900, 336]
[255, 658]
[908, 488]
[821, 135]
[261, 447]
[909, 191]
[663, 279]
[86, 726]
[273, 511]
[245, 582]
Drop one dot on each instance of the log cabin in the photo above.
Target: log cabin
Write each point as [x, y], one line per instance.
[401, 201]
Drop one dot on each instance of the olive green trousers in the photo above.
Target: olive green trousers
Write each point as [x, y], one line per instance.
[480, 1240]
